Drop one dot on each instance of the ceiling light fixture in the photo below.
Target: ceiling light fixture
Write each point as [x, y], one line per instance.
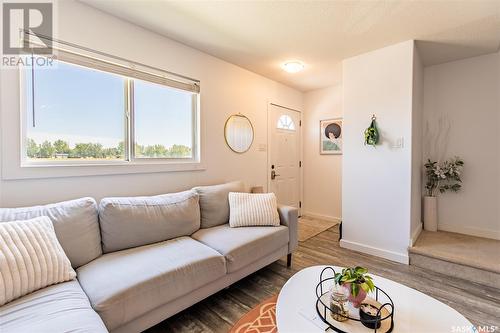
[293, 66]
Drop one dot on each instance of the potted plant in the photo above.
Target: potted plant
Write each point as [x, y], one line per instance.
[356, 282]
[440, 178]
[371, 133]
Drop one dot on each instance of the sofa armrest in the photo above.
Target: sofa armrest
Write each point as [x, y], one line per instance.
[289, 218]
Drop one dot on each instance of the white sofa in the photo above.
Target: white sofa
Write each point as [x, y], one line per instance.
[140, 260]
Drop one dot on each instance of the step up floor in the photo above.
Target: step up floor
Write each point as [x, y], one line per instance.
[471, 258]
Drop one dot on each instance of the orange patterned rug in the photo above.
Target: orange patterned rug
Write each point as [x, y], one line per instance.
[261, 319]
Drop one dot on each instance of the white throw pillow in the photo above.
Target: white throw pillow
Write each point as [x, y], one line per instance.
[253, 209]
[31, 258]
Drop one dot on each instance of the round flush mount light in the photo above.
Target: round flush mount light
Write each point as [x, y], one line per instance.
[293, 66]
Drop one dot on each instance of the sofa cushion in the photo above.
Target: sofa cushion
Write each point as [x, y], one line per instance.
[214, 203]
[242, 246]
[62, 307]
[31, 258]
[126, 284]
[75, 223]
[135, 221]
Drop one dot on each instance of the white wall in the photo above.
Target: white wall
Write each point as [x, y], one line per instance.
[461, 103]
[322, 173]
[376, 181]
[226, 89]
[416, 143]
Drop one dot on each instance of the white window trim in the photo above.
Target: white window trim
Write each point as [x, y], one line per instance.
[16, 166]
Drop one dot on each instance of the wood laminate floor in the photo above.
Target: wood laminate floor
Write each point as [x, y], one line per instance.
[218, 313]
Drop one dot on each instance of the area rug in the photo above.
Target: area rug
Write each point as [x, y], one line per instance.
[310, 227]
[261, 319]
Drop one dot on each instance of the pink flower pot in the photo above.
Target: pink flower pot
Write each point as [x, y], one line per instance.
[355, 301]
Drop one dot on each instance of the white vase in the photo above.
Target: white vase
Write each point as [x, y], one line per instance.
[430, 213]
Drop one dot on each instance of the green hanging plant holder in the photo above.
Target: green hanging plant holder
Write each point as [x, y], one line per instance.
[371, 133]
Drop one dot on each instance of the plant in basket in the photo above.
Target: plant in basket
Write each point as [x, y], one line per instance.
[357, 282]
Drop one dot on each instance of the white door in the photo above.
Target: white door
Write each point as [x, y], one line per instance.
[284, 155]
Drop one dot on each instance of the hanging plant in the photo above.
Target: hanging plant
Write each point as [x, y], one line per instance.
[371, 133]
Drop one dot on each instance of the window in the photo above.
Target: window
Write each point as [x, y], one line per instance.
[76, 113]
[92, 112]
[163, 121]
[285, 122]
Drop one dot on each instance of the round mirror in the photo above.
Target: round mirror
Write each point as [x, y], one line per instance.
[238, 133]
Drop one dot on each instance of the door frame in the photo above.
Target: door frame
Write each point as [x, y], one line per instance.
[269, 144]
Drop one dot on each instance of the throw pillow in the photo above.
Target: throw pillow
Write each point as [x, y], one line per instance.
[31, 258]
[253, 209]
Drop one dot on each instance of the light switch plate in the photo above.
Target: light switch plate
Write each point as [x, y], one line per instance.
[399, 143]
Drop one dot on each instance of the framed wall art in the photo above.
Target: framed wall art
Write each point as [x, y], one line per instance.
[330, 136]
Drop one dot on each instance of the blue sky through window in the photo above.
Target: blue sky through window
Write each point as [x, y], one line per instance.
[162, 115]
[81, 105]
[77, 105]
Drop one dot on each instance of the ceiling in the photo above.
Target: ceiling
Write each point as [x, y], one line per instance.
[261, 35]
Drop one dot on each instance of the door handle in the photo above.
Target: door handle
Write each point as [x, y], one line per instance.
[274, 174]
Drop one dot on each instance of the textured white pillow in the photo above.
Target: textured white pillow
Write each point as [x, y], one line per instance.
[253, 209]
[31, 258]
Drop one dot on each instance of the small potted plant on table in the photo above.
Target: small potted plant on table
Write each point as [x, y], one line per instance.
[357, 282]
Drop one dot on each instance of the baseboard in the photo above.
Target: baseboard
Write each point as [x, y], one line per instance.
[415, 233]
[390, 255]
[321, 216]
[478, 232]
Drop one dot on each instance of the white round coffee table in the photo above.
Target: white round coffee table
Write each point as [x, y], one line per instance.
[414, 311]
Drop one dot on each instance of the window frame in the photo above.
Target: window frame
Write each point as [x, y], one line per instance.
[177, 163]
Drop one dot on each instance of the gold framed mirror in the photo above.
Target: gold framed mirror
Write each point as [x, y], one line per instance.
[238, 133]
